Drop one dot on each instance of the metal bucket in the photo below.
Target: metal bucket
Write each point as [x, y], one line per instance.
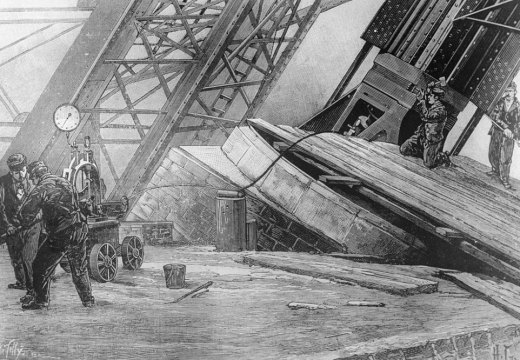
[174, 274]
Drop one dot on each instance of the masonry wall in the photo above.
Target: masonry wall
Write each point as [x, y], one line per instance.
[183, 193]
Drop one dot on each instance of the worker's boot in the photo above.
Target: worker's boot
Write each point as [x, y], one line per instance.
[33, 305]
[27, 298]
[17, 285]
[90, 302]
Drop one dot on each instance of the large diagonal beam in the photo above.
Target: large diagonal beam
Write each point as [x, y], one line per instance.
[146, 159]
[86, 94]
[38, 128]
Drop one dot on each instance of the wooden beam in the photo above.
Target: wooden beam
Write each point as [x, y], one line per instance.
[280, 146]
[339, 180]
[449, 233]
[501, 294]
[384, 278]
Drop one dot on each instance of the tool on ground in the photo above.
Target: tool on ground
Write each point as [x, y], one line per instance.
[365, 303]
[203, 286]
[297, 305]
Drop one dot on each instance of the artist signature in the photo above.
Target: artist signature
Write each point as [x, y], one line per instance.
[13, 350]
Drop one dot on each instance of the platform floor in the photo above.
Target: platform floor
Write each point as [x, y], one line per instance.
[244, 315]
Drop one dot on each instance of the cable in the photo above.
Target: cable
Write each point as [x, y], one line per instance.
[282, 153]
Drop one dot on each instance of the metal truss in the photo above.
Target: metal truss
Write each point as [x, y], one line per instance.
[209, 64]
[487, 23]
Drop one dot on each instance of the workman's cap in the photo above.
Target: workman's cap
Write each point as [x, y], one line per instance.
[512, 85]
[37, 168]
[438, 91]
[16, 162]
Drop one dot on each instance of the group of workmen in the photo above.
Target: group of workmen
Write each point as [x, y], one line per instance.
[41, 223]
[428, 140]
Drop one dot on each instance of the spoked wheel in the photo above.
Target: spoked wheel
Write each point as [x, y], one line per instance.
[132, 252]
[103, 262]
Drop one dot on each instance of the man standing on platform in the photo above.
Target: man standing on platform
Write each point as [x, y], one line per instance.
[66, 229]
[428, 139]
[504, 130]
[22, 245]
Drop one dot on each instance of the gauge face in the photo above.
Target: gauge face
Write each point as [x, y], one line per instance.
[66, 117]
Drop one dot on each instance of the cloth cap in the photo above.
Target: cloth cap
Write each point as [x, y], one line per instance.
[16, 162]
[436, 90]
[37, 168]
[512, 85]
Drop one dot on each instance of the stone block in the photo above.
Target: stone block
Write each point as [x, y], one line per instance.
[217, 183]
[424, 352]
[481, 340]
[281, 236]
[319, 213]
[198, 171]
[265, 242]
[464, 346]
[280, 247]
[320, 242]
[365, 238]
[275, 217]
[283, 188]
[390, 355]
[302, 246]
[254, 206]
[236, 146]
[445, 349]
[175, 156]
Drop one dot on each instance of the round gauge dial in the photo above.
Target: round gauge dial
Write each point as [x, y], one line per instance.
[66, 117]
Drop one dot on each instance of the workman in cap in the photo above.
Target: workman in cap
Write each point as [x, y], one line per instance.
[21, 244]
[428, 139]
[66, 228]
[505, 129]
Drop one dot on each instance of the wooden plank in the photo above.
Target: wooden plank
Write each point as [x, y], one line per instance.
[339, 180]
[449, 233]
[498, 293]
[487, 220]
[382, 277]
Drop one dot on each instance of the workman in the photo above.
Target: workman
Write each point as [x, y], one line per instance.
[505, 129]
[428, 140]
[21, 245]
[66, 228]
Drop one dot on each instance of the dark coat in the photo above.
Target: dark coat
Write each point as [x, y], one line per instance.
[10, 203]
[56, 199]
[507, 119]
[433, 119]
